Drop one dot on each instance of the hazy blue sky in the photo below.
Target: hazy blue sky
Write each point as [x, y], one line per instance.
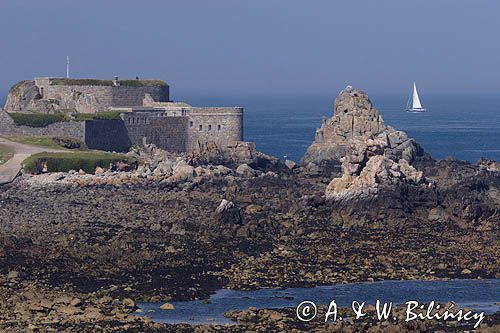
[258, 47]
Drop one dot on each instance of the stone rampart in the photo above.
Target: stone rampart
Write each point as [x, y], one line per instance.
[219, 124]
[75, 129]
[98, 98]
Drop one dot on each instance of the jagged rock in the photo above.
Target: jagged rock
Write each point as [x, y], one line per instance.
[357, 129]
[244, 170]
[488, 164]
[164, 168]
[234, 153]
[378, 172]
[13, 275]
[290, 164]
[224, 205]
[99, 170]
[241, 152]
[228, 212]
[128, 303]
[21, 96]
[182, 172]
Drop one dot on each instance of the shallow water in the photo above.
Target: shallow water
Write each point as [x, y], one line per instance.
[480, 295]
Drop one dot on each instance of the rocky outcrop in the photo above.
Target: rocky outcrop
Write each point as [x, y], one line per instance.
[357, 129]
[22, 96]
[379, 172]
[490, 165]
[25, 96]
[235, 154]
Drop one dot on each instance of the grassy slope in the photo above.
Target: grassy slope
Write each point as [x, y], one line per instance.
[5, 154]
[63, 161]
[46, 142]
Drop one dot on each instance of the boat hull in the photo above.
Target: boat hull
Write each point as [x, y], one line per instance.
[416, 110]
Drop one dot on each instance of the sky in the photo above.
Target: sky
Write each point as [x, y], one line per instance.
[259, 47]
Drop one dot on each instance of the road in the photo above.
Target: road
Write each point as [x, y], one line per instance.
[10, 169]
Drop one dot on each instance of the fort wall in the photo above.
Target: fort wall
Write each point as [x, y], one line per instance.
[98, 98]
[166, 132]
[75, 129]
[220, 125]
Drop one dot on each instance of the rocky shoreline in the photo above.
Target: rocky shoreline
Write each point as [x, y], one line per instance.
[182, 226]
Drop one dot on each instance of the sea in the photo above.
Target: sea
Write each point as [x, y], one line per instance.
[466, 127]
[479, 295]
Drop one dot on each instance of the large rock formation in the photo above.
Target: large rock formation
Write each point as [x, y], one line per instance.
[23, 95]
[357, 130]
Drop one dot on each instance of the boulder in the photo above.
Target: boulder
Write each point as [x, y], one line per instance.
[290, 164]
[99, 170]
[129, 303]
[228, 213]
[377, 173]
[244, 170]
[182, 172]
[167, 306]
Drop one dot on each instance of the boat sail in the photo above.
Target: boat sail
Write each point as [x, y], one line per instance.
[414, 104]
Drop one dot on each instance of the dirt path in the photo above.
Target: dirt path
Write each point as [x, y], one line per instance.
[10, 169]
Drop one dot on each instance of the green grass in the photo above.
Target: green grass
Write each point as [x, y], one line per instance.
[43, 141]
[94, 82]
[63, 162]
[107, 115]
[6, 154]
[35, 119]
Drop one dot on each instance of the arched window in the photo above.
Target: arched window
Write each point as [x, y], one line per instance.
[201, 127]
[42, 92]
[209, 127]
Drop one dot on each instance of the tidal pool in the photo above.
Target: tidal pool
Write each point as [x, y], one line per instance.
[480, 295]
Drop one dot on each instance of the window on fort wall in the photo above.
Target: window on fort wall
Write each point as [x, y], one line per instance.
[201, 127]
[190, 124]
[218, 127]
[209, 127]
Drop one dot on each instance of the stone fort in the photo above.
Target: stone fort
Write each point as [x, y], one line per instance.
[146, 114]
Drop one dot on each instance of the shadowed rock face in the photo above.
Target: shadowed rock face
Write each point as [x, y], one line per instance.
[357, 129]
[22, 96]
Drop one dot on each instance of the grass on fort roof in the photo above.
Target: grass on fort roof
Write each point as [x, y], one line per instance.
[36, 119]
[33, 119]
[6, 154]
[106, 115]
[64, 162]
[95, 82]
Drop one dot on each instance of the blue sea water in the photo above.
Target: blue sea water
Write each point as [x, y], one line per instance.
[479, 295]
[464, 126]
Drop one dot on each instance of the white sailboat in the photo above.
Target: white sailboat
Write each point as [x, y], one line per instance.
[414, 104]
